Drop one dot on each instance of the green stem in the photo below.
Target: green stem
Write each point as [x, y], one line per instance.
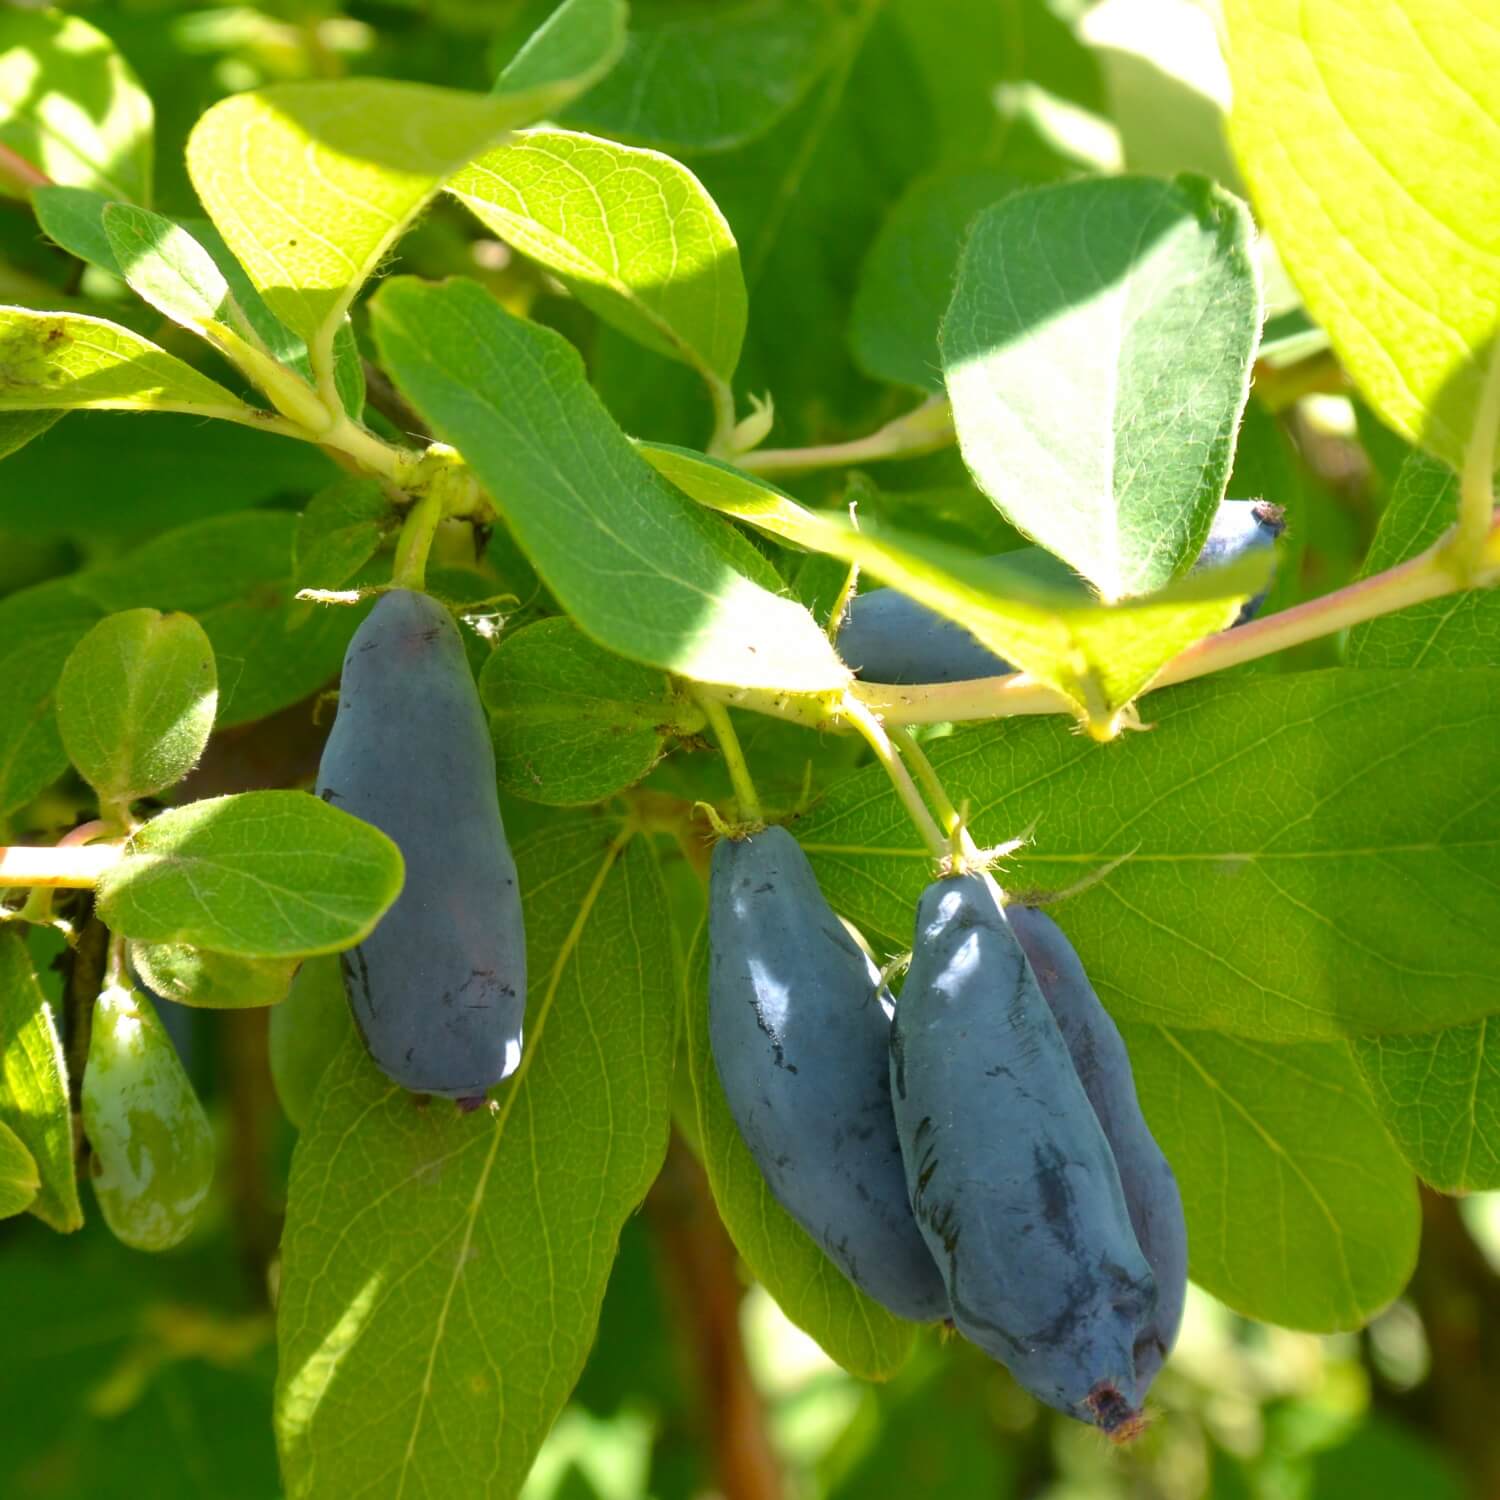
[415, 541]
[721, 393]
[734, 758]
[841, 601]
[906, 789]
[116, 976]
[1476, 498]
[925, 430]
[960, 844]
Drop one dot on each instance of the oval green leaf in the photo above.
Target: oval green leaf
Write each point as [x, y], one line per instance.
[1097, 354]
[1033, 613]
[1300, 1210]
[906, 281]
[19, 1179]
[306, 1032]
[708, 78]
[633, 234]
[136, 702]
[572, 722]
[259, 875]
[214, 981]
[1291, 858]
[365, 155]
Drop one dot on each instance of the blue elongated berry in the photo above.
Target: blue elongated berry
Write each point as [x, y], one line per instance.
[1012, 1180]
[800, 1029]
[1103, 1066]
[438, 990]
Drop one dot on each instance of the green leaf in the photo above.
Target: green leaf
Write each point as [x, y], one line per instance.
[52, 490]
[906, 281]
[52, 361]
[71, 106]
[1462, 630]
[166, 267]
[573, 723]
[1033, 613]
[707, 77]
[1097, 352]
[1290, 858]
[34, 1084]
[633, 234]
[1300, 1211]
[1438, 1091]
[73, 218]
[1439, 1095]
[855, 1331]
[998, 75]
[306, 1032]
[639, 568]
[259, 875]
[234, 574]
[17, 428]
[804, 201]
[434, 1362]
[339, 532]
[19, 1179]
[1368, 131]
[364, 155]
[214, 981]
[39, 627]
[574, 47]
[136, 701]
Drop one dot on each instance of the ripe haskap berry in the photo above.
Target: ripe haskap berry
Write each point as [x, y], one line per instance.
[1012, 1180]
[800, 1028]
[1103, 1067]
[438, 990]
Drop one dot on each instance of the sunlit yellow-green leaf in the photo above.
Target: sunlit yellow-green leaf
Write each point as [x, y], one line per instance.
[60, 361]
[1369, 132]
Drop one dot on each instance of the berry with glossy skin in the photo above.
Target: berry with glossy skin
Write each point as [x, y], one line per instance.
[152, 1146]
[1012, 1181]
[800, 1030]
[1103, 1067]
[889, 637]
[438, 990]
